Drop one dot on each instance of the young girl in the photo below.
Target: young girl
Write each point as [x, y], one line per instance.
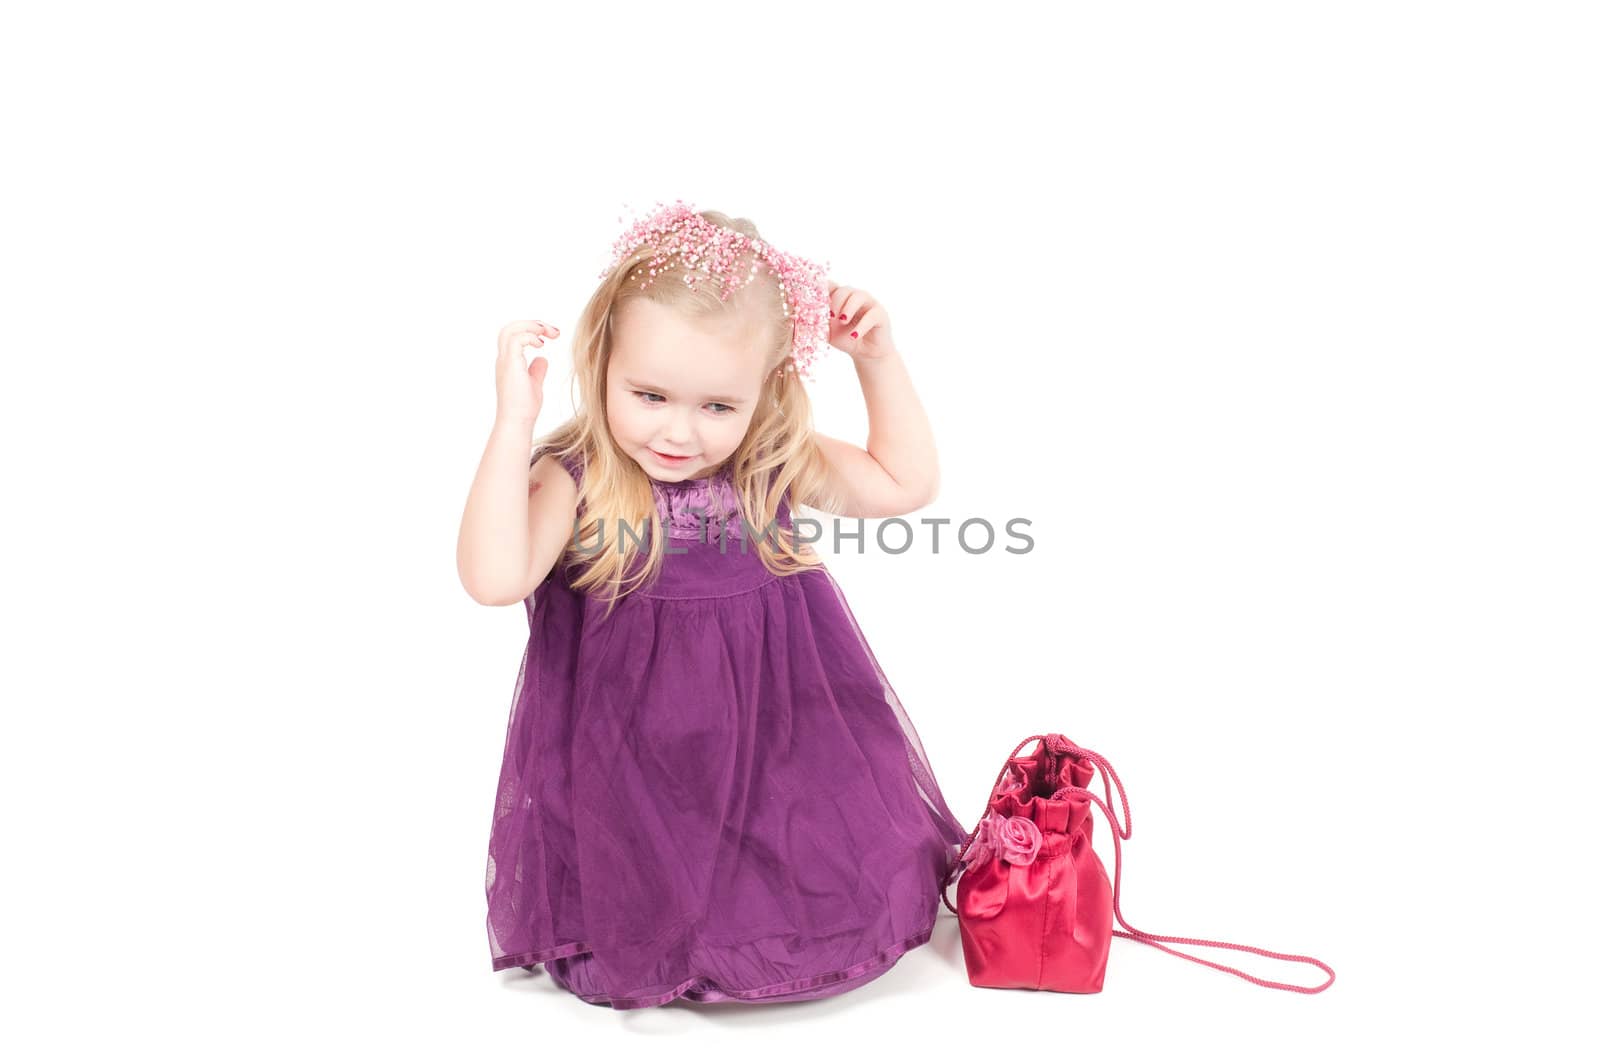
[709, 789]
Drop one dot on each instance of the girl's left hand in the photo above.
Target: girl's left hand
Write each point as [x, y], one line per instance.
[858, 325]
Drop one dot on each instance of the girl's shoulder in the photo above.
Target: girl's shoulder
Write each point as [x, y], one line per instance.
[573, 463]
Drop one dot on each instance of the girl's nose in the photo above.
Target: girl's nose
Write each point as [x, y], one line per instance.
[678, 432]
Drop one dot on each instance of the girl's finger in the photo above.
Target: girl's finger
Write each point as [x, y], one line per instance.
[837, 298]
[511, 335]
[519, 326]
[869, 321]
[531, 325]
[851, 306]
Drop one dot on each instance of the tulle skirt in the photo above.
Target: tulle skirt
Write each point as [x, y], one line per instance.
[712, 794]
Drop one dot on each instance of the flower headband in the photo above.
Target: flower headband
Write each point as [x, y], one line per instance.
[677, 230]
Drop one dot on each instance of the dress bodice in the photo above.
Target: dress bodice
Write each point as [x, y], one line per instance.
[705, 509]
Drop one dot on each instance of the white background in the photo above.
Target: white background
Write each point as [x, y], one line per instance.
[1277, 321]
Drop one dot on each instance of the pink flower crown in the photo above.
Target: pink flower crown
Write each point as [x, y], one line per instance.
[678, 231]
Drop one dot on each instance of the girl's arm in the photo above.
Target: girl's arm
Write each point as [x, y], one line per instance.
[517, 520]
[899, 470]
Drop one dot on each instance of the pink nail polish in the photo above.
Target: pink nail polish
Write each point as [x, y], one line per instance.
[852, 332]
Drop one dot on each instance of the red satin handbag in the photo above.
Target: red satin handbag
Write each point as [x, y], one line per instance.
[1034, 904]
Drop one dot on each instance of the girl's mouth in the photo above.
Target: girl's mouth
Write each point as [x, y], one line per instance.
[670, 459]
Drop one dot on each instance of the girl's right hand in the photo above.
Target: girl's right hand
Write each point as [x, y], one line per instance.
[519, 387]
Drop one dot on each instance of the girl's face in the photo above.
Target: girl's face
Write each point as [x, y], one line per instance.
[673, 390]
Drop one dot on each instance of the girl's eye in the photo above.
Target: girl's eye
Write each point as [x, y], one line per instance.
[721, 408]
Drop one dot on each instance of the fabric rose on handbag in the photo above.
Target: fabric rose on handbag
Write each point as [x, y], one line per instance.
[980, 848]
[1019, 839]
[1014, 839]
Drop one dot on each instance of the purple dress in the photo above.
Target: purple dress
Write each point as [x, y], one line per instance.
[714, 793]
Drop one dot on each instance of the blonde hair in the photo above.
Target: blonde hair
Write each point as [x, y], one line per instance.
[778, 454]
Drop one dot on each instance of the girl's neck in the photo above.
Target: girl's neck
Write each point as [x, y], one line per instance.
[694, 481]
